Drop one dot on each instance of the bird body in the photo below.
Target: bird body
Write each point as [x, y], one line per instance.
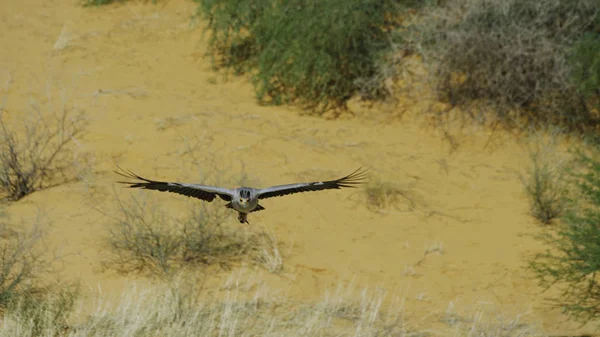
[244, 200]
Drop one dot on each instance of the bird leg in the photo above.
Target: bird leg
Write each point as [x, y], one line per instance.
[242, 217]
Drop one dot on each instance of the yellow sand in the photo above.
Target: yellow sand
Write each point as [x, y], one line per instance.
[139, 72]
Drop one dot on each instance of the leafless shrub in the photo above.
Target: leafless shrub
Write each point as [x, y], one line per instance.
[143, 236]
[209, 239]
[511, 54]
[35, 150]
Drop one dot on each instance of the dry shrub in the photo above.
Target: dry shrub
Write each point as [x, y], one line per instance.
[515, 55]
[27, 293]
[36, 148]
[546, 181]
[144, 237]
[381, 195]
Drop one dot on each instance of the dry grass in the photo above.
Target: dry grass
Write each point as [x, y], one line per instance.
[546, 180]
[248, 308]
[269, 255]
[28, 270]
[383, 195]
[24, 259]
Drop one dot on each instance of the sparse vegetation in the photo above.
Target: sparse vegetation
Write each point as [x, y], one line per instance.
[572, 260]
[268, 254]
[34, 314]
[246, 308]
[25, 265]
[532, 61]
[35, 148]
[381, 195]
[22, 260]
[545, 182]
[143, 237]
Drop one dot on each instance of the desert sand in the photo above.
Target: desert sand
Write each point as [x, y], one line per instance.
[139, 72]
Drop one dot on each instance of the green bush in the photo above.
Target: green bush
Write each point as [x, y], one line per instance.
[230, 24]
[305, 52]
[586, 64]
[515, 55]
[572, 259]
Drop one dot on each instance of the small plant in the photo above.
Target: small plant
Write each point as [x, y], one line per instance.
[381, 195]
[572, 260]
[34, 148]
[268, 255]
[545, 183]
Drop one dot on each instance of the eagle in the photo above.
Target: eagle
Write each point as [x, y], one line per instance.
[244, 200]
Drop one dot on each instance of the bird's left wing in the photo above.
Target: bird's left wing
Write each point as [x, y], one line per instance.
[355, 178]
[206, 193]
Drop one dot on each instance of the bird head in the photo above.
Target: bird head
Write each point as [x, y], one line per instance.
[244, 197]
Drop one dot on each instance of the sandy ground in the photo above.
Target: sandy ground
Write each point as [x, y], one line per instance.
[138, 71]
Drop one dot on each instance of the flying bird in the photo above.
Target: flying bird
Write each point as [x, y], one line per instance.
[244, 200]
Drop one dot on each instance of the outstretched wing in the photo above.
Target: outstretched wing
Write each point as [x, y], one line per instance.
[355, 178]
[207, 193]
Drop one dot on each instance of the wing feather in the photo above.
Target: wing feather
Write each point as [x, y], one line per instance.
[206, 193]
[350, 181]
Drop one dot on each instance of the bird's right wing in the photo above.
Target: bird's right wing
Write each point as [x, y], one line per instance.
[206, 193]
[352, 180]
